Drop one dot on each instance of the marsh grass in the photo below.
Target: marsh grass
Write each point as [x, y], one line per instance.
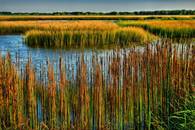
[167, 28]
[67, 39]
[149, 90]
[75, 34]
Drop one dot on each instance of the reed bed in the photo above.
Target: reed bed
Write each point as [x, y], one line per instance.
[152, 89]
[89, 38]
[168, 29]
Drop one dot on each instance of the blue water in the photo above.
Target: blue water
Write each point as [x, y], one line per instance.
[39, 56]
[15, 46]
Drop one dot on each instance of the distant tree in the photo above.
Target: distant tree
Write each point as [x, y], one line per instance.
[5, 13]
[158, 12]
[112, 13]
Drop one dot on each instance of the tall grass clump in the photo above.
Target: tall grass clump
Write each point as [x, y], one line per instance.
[67, 39]
[149, 89]
[10, 93]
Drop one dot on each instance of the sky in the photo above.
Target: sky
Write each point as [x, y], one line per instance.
[93, 5]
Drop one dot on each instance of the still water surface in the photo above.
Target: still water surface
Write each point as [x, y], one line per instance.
[15, 45]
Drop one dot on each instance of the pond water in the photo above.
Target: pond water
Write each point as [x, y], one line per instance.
[18, 50]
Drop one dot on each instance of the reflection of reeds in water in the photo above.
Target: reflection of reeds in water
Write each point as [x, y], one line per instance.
[142, 90]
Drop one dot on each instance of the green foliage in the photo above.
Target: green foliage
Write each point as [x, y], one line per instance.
[185, 118]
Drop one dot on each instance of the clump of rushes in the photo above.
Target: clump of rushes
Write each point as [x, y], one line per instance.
[68, 39]
[9, 93]
[167, 29]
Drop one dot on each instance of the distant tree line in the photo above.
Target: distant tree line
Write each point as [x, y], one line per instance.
[159, 12]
